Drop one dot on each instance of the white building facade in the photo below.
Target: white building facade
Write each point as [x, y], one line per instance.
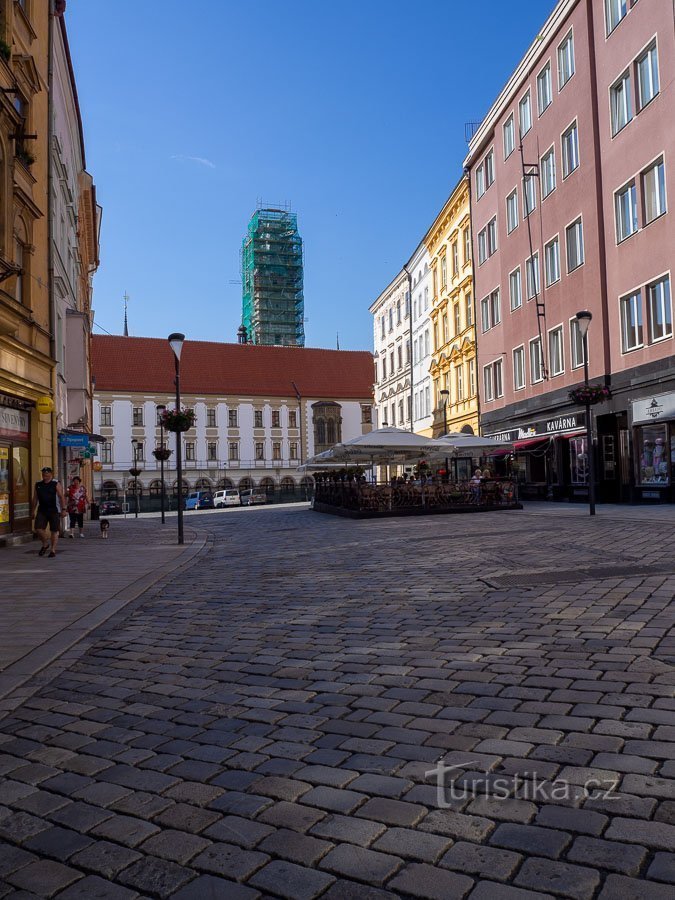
[239, 440]
[420, 276]
[393, 367]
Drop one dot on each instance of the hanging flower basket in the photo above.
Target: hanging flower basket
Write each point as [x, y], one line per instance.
[161, 454]
[135, 472]
[178, 419]
[422, 468]
[594, 393]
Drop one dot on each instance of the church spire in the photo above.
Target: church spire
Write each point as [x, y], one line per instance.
[126, 324]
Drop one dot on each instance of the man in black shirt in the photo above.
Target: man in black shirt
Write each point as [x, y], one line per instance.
[48, 497]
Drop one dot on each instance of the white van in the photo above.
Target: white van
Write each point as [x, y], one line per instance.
[228, 497]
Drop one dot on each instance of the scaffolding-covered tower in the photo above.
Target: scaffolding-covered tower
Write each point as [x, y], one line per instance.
[273, 303]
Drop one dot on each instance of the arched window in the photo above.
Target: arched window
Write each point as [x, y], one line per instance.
[155, 488]
[321, 431]
[186, 488]
[225, 483]
[287, 484]
[307, 481]
[110, 491]
[246, 484]
[134, 486]
[202, 484]
[268, 485]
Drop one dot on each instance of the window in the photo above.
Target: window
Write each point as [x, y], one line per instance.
[407, 304]
[480, 181]
[654, 191]
[384, 367]
[485, 313]
[547, 171]
[576, 344]
[232, 418]
[391, 318]
[106, 452]
[659, 308]
[106, 415]
[575, 245]
[532, 276]
[444, 271]
[393, 414]
[544, 88]
[519, 368]
[619, 94]
[525, 114]
[391, 362]
[427, 343]
[398, 311]
[434, 276]
[625, 208]
[565, 61]
[615, 10]
[482, 246]
[189, 451]
[488, 387]
[212, 451]
[578, 460]
[137, 414]
[276, 450]
[529, 194]
[457, 318]
[382, 327]
[509, 137]
[472, 377]
[366, 415]
[293, 450]
[459, 382]
[495, 308]
[210, 417]
[446, 333]
[552, 261]
[233, 451]
[400, 412]
[570, 150]
[293, 418]
[536, 361]
[426, 297]
[492, 236]
[489, 169]
[257, 418]
[260, 450]
[400, 356]
[276, 418]
[652, 441]
[512, 211]
[515, 289]
[455, 258]
[647, 72]
[468, 305]
[631, 322]
[555, 351]
[467, 248]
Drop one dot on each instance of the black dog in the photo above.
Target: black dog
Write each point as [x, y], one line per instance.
[105, 525]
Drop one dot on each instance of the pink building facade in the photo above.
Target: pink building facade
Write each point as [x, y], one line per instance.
[571, 173]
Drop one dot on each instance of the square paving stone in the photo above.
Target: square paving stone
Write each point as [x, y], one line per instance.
[359, 863]
[578, 882]
[80, 816]
[155, 876]
[348, 829]
[229, 860]
[184, 817]
[334, 799]
[178, 846]
[299, 848]
[94, 888]
[290, 881]
[125, 830]
[532, 839]
[412, 844]
[292, 815]
[105, 859]
[381, 785]
[19, 826]
[240, 804]
[238, 830]
[663, 867]
[429, 882]
[57, 842]
[392, 812]
[208, 887]
[327, 775]
[193, 792]
[44, 877]
[478, 859]
[13, 858]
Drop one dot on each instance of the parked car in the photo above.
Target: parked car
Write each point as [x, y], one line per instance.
[199, 500]
[253, 497]
[228, 497]
[110, 508]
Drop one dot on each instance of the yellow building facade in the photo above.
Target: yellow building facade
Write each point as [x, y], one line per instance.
[453, 361]
[27, 422]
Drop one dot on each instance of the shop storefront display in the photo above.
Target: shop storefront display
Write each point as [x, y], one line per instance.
[654, 443]
[15, 476]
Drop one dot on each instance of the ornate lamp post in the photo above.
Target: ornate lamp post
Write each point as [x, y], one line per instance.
[584, 320]
[135, 471]
[176, 343]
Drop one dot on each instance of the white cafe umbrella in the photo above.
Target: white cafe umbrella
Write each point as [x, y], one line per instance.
[456, 443]
[384, 444]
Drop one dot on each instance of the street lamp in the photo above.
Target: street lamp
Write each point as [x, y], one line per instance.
[445, 394]
[583, 321]
[160, 409]
[135, 471]
[176, 343]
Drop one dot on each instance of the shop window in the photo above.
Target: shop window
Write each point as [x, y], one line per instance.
[653, 455]
[578, 461]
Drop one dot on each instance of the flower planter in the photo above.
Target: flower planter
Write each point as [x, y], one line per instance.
[594, 393]
[178, 420]
[161, 454]
[135, 472]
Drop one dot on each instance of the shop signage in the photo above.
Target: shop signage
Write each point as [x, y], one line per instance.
[73, 440]
[14, 402]
[544, 427]
[654, 409]
[14, 423]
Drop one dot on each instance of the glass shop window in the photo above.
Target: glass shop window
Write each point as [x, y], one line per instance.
[653, 454]
[578, 461]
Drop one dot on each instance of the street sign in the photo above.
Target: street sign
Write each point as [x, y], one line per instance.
[73, 440]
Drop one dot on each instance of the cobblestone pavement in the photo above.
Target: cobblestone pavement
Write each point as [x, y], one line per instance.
[263, 725]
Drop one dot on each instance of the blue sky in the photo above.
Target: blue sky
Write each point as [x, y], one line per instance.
[351, 111]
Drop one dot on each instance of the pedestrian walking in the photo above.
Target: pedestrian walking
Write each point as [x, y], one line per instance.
[50, 502]
[77, 506]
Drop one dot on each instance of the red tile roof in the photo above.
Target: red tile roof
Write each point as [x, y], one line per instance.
[146, 365]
